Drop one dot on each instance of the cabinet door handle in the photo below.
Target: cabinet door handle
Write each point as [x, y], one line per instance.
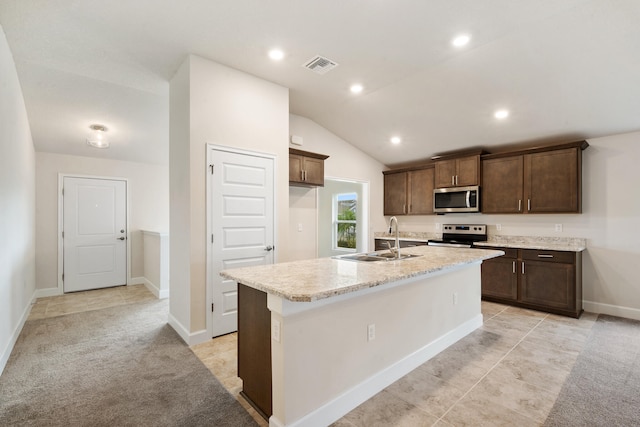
[404, 209]
[456, 179]
[545, 256]
[301, 175]
[519, 205]
[453, 180]
[514, 267]
[522, 267]
[529, 205]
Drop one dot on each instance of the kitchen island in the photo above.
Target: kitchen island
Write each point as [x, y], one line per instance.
[318, 337]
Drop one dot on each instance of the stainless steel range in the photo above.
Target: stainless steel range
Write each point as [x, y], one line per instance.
[461, 235]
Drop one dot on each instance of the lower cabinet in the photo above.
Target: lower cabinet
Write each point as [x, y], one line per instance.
[543, 280]
[381, 243]
[254, 348]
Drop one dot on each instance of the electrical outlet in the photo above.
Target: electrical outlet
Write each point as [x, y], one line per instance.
[498, 227]
[437, 226]
[455, 298]
[558, 228]
[275, 330]
[371, 332]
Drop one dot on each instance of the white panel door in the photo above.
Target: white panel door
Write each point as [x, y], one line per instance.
[94, 233]
[242, 218]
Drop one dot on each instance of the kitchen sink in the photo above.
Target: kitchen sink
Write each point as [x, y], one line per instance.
[376, 256]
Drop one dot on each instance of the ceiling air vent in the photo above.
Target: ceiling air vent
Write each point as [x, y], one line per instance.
[320, 65]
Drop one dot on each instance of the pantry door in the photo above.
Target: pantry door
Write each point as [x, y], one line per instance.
[241, 225]
[94, 233]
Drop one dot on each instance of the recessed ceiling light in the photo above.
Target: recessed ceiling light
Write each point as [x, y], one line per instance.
[461, 40]
[276, 54]
[501, 114]
[396, 140]
[356, 88]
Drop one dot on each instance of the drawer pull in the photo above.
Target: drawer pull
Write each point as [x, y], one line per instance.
[522, 267]
[545, 256]
[514, 267]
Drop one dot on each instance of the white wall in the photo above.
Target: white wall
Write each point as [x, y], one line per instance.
[346, 162]
[17, 206]
[212, 103]
[609, 222]
[148, 187]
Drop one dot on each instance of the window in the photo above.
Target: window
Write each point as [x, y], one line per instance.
[345, 213]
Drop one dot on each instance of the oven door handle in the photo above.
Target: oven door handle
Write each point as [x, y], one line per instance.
[468, 198]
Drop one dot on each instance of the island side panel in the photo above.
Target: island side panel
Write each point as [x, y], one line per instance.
[254, 348]
[324, 365]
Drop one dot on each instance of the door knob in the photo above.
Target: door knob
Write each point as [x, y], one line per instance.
[121, 238]
[268, 248]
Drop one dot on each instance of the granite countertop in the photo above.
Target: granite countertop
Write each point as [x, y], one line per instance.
[567, 244]
[316, 279]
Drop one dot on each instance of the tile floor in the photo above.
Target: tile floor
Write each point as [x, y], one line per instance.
[508, 372]
[97, 299]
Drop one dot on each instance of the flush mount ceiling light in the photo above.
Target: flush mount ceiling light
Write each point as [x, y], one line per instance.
[396, 140]
[356, 88]
[501, 114]
[461, 40]
[98, 137]
[276, 54]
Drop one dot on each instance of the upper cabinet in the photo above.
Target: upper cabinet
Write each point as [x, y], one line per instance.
[457, 172]
[540, 180]
[305, 168]
[409, 192]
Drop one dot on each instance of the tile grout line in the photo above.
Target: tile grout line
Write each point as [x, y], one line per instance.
[492, 367]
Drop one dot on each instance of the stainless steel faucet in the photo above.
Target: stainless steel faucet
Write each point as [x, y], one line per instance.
[397, 248]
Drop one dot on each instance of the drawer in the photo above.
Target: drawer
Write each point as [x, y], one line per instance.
[550, 256]
[411, 243]
[508, 252]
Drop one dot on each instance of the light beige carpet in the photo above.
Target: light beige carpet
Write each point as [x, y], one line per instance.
[120, 366]
[603, 388]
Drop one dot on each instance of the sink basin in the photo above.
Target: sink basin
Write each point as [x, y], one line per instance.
[375, 256]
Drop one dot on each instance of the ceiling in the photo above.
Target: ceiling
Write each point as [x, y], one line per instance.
[565, 69]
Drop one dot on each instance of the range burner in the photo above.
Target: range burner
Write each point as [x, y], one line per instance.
[461, 235]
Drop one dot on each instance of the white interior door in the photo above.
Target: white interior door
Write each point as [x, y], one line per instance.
[94, 233]
[242, 225]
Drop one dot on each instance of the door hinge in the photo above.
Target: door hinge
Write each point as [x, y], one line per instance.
[211, 306]
[63, 191]
[63, 277]
[63, 234]
[212, 238]
[211, 166]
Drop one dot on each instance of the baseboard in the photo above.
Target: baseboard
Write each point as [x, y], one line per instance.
[159, 293]
[4, 357]
[343, 404]
[611, 310]
[136, 281]
[191, 338]
[48, 292]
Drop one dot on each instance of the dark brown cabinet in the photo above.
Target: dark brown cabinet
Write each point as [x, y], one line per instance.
[545, 181]
[458, 172]
[306, 168]
[502, 185]
[409, 192]
[499, 278]
[254, 348]
[381, 244]
[543, 280]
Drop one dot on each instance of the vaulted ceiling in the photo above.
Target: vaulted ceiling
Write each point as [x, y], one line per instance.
[564, 69]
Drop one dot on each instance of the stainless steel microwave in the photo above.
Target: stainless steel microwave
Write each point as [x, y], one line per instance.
[456, 199]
